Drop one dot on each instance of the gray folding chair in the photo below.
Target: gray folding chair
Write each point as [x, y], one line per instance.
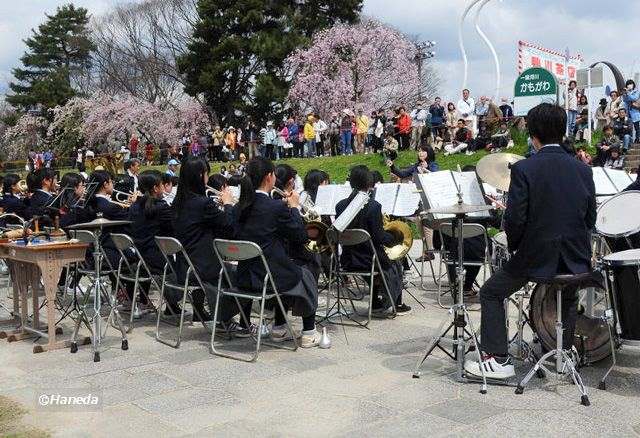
[132, 268]
[469, 230]
[352, 237]
[171, 249]
[236, 251]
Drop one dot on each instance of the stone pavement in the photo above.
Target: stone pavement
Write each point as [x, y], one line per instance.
[362, 386]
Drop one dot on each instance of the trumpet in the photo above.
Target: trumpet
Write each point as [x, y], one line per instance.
[216, 194]
[119, 193]
[22, 185]
[280, 192]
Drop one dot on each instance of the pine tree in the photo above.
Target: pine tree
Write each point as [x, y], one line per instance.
[237, 53]
[58, 51]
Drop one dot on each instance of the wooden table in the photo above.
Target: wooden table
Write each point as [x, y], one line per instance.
[26, 265]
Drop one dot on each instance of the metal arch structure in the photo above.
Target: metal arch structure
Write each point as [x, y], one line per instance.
[486, 40]
[463, 17]
[617, 75]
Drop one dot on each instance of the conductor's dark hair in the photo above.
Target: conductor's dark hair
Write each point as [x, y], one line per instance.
[547, 123]
[191, 181]
[360, 178]
[256, 171]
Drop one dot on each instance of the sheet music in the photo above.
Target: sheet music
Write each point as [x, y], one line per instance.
[328, 196]
[471, 191]
[619, 178]
[386, 195]
[407, 201]
[235, 191]
[359, 201]
[603, 184]
[439, 189]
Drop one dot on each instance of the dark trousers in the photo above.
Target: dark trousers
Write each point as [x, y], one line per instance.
[298, 149]
[493, 329]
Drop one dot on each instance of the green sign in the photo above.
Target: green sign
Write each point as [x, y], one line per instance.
[533, 87]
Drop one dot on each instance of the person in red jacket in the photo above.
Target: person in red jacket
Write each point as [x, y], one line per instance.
[404, 129]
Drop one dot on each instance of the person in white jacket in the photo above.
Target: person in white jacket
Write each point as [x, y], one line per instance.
[270, 141]
[466, 108]
[320, 127]
[418, 118]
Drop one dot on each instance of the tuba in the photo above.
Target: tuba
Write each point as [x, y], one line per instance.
[402, 232]
[316, 229]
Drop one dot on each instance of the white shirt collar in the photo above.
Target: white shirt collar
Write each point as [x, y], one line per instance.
[102, 195]
[263, 192]
[43, 191]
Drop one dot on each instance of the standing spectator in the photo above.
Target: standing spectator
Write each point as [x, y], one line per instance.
[48, 158]
[89, 154]
[148, 153]
[451, 121]
[206, 146]
[230, 142]
[164, 152]
[218, 142]
[292, 130]
[404, 128]
[309, 137]
[185, 147]
[251, 137]
[172, 167]
[79, 157]
[571, 102]
[482, 109]
[418, 119]
[320, 128]
[601, 117]
[623, 129]
[362, 125]
[334, 134]
[466, 109]
[284, 147]
[461, 139]
[377, 129]
[631, 98]
[345, 132]
[614, 105]
[133, 146]
[196, 149]
[437, 118]
[507, 111]
[126, 153]
[270, 140]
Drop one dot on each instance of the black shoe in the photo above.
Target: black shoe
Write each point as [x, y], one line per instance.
[426, 257]
[200, 314]
[402, 309]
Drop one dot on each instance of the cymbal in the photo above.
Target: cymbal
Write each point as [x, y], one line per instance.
[495, 169]
[459, 209]
[98, 223]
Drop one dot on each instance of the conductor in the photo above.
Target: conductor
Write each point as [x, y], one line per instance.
[550, 212]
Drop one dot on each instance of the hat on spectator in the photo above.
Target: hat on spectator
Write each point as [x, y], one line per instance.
[173, 162]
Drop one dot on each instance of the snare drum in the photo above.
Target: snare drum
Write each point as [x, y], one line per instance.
[500, 251]
[624, 267]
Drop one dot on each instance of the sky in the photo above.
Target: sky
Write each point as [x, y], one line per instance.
[598, 30]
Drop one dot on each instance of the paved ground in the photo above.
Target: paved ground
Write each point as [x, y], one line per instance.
[362, 387]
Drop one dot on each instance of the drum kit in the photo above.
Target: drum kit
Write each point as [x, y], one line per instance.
[608, 310]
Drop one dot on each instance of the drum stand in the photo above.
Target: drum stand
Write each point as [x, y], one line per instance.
[458, 320]
[94, 321]
[523, 350]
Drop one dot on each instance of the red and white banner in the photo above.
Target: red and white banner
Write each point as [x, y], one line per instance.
[531, 55]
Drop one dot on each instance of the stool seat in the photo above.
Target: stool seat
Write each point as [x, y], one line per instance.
[585, 279]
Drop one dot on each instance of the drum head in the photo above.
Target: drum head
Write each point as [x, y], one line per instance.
[630, 257]
[619, 216]
[501, 239]
[591, 328]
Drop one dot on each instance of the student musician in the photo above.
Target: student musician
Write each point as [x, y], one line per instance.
[359, 257]
[272, 223]
[12, 201]
[45, 182]
[198, 220]
[73, 186]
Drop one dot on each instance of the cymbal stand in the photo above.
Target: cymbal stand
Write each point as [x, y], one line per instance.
[94, 321]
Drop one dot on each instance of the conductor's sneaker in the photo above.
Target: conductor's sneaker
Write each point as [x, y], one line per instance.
[402, 309]
[493, 368]
[309, 341]
[282, 334]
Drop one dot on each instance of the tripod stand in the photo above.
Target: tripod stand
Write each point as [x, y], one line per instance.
[458, 318]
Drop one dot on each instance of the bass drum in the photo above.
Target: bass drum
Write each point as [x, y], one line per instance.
[592, 333]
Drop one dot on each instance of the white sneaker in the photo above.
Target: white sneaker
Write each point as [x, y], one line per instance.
[492, 368]
[447, 153]
[469, 153]
[309, 341]
[282, 335]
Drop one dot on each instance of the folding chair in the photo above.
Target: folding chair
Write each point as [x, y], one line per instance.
[469, 230]
[236, 251]
[171, 249]
[132, 268]
[352, 237]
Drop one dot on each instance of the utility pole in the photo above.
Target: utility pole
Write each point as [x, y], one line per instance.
[421, 55]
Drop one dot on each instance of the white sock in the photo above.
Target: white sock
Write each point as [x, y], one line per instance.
[309, 332]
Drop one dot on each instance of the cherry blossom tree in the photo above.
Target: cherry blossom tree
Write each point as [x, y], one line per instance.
[367, 65]
[28, 133]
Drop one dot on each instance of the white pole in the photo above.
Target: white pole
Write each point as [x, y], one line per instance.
[461, 40]
[589, 104]
[566, 86]
[484, 37]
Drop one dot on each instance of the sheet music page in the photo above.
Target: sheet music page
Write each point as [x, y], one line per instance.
[359, 201]
[407, 201]
[471, 191]
[235, 191]
[386, 194]
[603, 184]
[619, 178]
[328, 196]
[440, 190]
